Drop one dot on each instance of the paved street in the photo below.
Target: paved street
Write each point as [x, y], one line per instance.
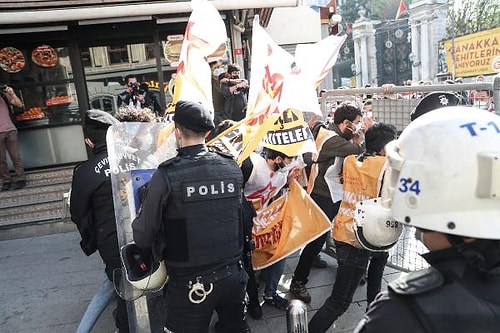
[47, 282]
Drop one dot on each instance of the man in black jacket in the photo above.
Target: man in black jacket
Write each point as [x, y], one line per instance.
[456, 212]
[92, 203]
[191, 218]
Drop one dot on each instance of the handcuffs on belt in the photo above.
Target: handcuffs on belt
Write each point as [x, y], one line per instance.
[198, 290]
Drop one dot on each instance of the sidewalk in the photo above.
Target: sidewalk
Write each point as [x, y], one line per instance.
[47, 283]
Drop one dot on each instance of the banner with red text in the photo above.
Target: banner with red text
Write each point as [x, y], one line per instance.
[286, 225]
[205, 33]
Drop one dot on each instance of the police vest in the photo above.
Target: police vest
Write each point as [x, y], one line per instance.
[202, 223]
[446, 306]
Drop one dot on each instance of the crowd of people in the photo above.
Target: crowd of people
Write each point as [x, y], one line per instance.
[205, 236]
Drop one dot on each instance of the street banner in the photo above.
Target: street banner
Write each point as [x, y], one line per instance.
[475, 54]
[205, 33]
[286, 225]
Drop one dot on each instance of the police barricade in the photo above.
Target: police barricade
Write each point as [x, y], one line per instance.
[136, 149]
[393, 106]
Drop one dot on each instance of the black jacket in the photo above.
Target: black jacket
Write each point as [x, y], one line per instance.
[92, 208]
[451, 296]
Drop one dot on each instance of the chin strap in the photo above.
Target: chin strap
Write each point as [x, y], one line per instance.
[473, 257]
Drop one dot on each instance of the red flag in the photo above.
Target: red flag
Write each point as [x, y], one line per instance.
[402, 9]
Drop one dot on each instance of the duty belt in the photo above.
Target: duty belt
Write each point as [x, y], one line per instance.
[201, 285]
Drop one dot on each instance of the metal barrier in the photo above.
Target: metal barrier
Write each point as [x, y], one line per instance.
[393, 106]
[405, 255]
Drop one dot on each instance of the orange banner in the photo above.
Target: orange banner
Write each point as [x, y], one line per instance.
[286, 225]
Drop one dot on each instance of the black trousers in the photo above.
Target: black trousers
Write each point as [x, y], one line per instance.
[227, 298]
[312, 249]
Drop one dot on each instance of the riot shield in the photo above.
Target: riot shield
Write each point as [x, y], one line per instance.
[135, 150]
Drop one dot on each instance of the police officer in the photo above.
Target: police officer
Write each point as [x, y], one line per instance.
[455, 209]
[93, 212]
[191, 218]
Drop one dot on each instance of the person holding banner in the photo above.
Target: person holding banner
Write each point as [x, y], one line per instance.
[362, 179]
[191, 218]
[264, 177]
[344, 137]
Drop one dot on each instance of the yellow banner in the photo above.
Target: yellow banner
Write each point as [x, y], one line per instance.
[475, 54]
[290, 134]
[286, 225]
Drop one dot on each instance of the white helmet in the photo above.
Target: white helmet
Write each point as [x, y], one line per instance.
[375, 229]
[141, 270]
[444, 173]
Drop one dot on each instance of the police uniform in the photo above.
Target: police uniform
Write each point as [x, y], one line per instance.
[192, 219]
[451, 296]
[93, 212]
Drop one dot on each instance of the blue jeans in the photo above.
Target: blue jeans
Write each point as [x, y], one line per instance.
[352, 267]
[273, 276]
[104, 296]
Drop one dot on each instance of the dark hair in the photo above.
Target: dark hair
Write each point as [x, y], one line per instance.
[96, 135]
[378, 135]
[128, 77]
[233, 68]
[271, 154]
[346, 110]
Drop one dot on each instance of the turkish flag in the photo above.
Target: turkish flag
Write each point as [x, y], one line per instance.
[402, 9]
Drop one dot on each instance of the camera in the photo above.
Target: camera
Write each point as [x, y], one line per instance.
[3, 87]
[134, 86]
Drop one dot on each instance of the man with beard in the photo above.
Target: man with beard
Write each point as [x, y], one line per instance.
[344, 138]
[235, 92]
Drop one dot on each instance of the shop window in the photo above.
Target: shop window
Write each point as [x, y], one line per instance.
[42, 77]
[104, 103]
[150, 51]
[86, 58]
[118, 54]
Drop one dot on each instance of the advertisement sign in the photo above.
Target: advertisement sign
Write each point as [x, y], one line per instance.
[475, 54]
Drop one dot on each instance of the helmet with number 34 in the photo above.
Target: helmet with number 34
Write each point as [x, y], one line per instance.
[444, 173]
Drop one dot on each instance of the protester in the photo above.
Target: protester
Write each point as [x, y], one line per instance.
[93, 212]
[8, 141]
[235, 92]
[456, 220]
[138, 96]
[265, 176]
[362, 176]
[336, 145]
[191, 219]
[217, 68]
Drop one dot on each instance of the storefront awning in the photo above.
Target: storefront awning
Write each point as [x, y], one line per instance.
[33, 12]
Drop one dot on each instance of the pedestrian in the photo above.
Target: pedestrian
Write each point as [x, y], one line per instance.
[191, 218]
[344, 138]
[455, 210]
[93, 212]
[362, 179]
[8, 141]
